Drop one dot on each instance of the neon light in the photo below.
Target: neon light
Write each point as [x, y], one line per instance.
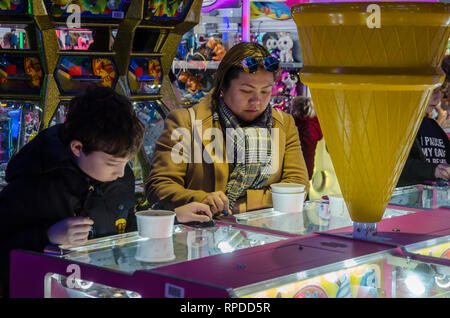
[21, 40]
[245, 20]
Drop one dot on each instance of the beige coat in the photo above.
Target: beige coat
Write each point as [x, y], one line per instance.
[181, 183]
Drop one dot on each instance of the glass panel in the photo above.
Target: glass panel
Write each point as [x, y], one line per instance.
[166, 10]
[421, 196]
[74, 39]
[19, 123]
[145, 40]
[76, 73]
[89, 8]
[59, 117]
[381, 274]
[20, 75]
[152, 117]
[316, 217]
[129, 252]
[59, 286]
[145, 76]
[14, 37]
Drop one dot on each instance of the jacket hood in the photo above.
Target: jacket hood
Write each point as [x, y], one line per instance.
[45, 152]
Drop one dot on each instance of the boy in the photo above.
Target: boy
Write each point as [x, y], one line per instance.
[72, 182]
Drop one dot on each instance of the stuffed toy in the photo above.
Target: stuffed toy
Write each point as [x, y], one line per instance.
[216, 48]
[290, 81]
[272, 47]
[285, 45]
[193, 83]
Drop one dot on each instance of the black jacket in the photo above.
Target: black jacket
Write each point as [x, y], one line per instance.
[417, 169]
[46, 186]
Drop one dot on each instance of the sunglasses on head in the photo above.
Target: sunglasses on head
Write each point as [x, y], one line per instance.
[250, 64]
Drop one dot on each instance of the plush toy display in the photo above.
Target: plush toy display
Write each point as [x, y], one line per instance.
[285, 45]
[290, 81]
[216, 49]
[272, 46]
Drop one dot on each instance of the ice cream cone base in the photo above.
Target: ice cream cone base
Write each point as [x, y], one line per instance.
[370, 86]
[368, 134]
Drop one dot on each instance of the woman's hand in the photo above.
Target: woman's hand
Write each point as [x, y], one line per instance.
[217, 201]
[442, 171]
[70, 231]
[193, 211]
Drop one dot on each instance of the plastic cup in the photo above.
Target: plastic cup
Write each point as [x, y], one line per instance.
[287, 187]
[288, 202]
[155, 223]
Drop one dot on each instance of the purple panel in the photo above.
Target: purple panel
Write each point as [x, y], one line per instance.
[411, 228]
[28, 281]
[253, 265]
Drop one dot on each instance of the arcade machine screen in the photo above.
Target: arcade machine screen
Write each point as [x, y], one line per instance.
[19, 119]
[74, 39]
[74, 74]
[89, 8]
[174, 10]
[13, 37]
[14, 6]
[145, 76]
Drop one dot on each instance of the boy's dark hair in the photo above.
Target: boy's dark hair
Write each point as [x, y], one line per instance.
[103, 120]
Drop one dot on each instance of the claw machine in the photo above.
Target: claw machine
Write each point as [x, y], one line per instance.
[21, 78]
[236, 260]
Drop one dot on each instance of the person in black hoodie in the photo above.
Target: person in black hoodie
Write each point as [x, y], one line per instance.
[72, 182]
[429, 158]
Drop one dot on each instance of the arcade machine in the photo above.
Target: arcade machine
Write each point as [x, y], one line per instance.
[21, 79]
[146, 45]
[77, 56]
[317, 253]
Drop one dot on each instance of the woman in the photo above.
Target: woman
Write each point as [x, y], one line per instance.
[429, 157]
[227, 178]
[308, 129]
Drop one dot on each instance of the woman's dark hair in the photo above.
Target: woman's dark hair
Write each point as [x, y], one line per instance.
[103, 120]
[228, 69]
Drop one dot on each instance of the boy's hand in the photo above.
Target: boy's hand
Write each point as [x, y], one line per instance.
[70, 231]
[193, 211]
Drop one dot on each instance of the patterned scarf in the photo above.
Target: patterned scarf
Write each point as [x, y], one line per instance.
[252, 152]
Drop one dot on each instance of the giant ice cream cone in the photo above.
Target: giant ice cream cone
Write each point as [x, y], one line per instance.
[371, 76]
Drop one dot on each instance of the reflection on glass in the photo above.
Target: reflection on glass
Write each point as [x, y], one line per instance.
[120, 253]
[155, 250]
[422, 196]
[59, 117]
[14, 37]
[74, 39]
[59, 286]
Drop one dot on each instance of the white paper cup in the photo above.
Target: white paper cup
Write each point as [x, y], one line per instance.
[155, 223]
[155, 250]
[287, 187]
[288, 202]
